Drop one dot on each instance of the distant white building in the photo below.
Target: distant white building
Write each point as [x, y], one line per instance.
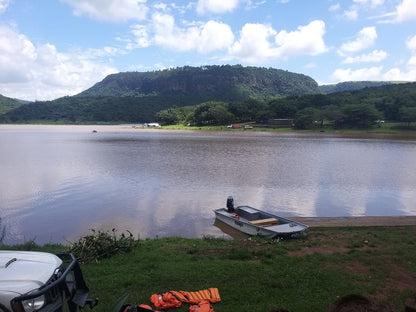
[152, 125]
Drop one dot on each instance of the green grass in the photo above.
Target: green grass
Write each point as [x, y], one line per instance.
[306, 274]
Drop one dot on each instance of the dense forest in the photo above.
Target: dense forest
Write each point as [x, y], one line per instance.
[360, 109]
[218, 95]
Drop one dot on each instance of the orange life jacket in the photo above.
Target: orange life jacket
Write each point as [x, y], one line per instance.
[166, 301]
[145, 306]
[210, 294]
[203, 306]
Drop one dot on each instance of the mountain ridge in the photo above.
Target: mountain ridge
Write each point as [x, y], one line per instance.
[355, 85]
[214, 82]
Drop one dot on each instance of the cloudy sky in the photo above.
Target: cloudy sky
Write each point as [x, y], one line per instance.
[54, 48]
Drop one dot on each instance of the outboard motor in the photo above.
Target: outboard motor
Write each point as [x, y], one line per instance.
[230, 204]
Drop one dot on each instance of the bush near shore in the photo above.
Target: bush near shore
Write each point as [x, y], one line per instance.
[305, 274]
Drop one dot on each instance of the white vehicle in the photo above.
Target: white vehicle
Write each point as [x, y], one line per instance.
[40, 281]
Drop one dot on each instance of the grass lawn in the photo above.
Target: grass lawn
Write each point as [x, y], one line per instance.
[305, 274]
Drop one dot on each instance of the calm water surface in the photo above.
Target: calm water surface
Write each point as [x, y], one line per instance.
[57, 182]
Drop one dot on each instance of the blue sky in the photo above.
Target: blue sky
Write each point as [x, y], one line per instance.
[54, 48]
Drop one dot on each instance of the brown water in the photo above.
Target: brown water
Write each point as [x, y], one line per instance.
[57, 182]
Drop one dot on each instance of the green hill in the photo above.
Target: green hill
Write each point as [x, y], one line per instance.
[228, 93]
[8, 104]
[138, 96]
[223, 83]
[352, 86]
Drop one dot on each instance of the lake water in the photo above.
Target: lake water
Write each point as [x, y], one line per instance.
[57, 182]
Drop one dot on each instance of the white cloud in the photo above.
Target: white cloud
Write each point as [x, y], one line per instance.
[335, 7]
[372, 3]
[16, 54]
[411, 44]
[216, 6]
[141, 36]
[110, 10]
[406, 10]
[360, 6]
[372, 73]
[351, 14]
[306, 40]
[41, 72]
[203, 38]
[375, 73]
[3, 5]
[256, 43]
[210, 38]
[365, 39]
[395, 74]
[412, 62]
[374, 56]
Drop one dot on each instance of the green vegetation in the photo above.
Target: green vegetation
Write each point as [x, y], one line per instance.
[8, 104]
[362, 109]
[221, 95]
[138, 96]
[352, 85]
[100, 245]
[306, 274]
[216, 82]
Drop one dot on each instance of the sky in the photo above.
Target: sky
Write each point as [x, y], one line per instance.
[55, 48]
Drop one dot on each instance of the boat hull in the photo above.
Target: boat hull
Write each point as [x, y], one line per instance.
[285, 228]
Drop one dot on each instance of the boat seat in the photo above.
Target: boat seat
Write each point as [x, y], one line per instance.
[265, 222]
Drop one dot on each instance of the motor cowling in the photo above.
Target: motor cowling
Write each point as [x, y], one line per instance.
[230, 204]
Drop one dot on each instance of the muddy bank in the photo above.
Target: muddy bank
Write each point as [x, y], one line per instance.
[357, 221]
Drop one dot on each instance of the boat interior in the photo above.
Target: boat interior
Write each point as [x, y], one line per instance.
[257, 217]
[254, 216]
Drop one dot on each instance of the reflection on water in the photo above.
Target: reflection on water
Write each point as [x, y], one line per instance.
[57, 182]
[230, 231]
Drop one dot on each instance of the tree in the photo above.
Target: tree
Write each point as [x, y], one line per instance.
[212, 113]
[359, 115]
[282, 108]
[168, 116]
[305, 118]
[407, 114]
[246, 110]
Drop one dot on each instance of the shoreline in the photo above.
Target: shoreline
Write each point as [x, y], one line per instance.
[357, 221]
[385, 133]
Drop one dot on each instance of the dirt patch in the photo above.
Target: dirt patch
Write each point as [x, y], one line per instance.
[395, 277]
[398, 278]
[357, 268]
[358, 303]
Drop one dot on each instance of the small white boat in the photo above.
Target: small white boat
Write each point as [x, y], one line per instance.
[253, 221]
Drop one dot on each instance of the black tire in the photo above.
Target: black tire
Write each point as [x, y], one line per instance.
[3, 308]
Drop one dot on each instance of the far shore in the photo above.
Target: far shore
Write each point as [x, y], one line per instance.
[381, 133]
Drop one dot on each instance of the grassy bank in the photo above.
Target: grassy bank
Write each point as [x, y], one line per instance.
[390, 129]
[306, 274]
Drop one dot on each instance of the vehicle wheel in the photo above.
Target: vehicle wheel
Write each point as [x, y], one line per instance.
[3, 308]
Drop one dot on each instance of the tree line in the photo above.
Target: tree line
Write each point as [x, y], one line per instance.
[360, 109]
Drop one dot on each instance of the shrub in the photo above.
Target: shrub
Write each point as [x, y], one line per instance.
[100, 245]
